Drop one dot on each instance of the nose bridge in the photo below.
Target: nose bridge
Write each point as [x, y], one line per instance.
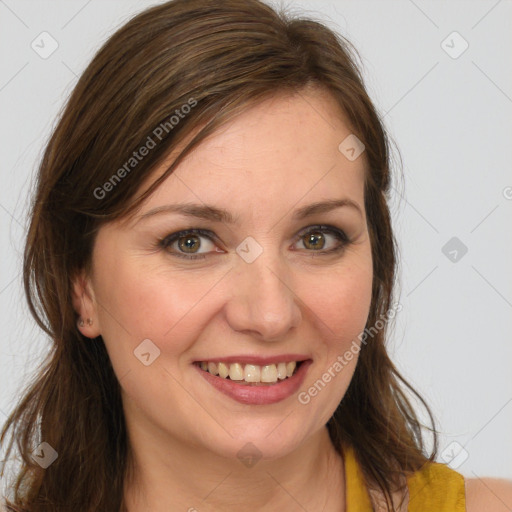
[264, 301]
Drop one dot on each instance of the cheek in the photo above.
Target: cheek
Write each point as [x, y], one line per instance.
[138, 301]
[169, 308]
[339, 313]
[341, 303]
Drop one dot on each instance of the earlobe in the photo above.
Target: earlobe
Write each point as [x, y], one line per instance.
[85, 306]
[81, 322]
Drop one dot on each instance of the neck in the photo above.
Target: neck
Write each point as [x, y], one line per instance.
[186, 477]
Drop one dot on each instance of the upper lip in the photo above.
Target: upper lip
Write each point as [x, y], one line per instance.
[257, 360]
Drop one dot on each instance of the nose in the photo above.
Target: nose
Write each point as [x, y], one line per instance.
[264, 304]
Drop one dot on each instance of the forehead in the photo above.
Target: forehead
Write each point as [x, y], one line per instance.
[280, 153]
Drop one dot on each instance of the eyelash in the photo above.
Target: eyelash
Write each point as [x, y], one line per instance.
[338, 233]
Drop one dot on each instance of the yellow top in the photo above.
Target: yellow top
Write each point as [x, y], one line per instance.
[433, 488]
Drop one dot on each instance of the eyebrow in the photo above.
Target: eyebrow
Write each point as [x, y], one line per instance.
[214, 214]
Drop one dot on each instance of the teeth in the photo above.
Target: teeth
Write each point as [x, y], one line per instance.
[223, 370]
[251, 373]
[236, 372]
[212, 368]
[281, 371]
[269, 373]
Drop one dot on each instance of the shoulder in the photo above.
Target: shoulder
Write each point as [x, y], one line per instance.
[489, 494]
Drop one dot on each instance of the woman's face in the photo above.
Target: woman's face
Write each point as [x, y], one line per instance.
[261, 287]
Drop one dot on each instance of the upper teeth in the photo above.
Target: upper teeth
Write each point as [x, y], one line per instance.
[250, 372]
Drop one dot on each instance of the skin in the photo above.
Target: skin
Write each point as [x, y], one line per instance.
[489, 494]
[185, 435]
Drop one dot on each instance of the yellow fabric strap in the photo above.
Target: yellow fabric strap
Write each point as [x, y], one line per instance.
[434, 488]
[357, 497]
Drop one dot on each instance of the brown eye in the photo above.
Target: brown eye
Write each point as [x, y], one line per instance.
[315, 239]
[188, 243]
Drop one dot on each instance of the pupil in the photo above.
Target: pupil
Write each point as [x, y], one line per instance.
[189, 243]
[311, 240]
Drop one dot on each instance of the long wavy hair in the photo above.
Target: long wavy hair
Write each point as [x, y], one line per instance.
[219, 58]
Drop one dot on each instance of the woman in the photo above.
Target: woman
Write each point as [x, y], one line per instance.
[211, 253]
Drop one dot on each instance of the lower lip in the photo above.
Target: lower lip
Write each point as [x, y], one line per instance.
[258, 395]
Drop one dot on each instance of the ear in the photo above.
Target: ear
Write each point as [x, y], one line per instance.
[84, 303]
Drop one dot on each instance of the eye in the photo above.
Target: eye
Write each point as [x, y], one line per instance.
[315, 238]
[189, 241]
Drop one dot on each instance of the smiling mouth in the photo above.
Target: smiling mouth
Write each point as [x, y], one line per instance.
[251, 374]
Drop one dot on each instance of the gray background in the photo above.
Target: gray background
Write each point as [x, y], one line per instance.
[451, 119]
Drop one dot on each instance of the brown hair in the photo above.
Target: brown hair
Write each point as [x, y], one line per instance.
[218, 58]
